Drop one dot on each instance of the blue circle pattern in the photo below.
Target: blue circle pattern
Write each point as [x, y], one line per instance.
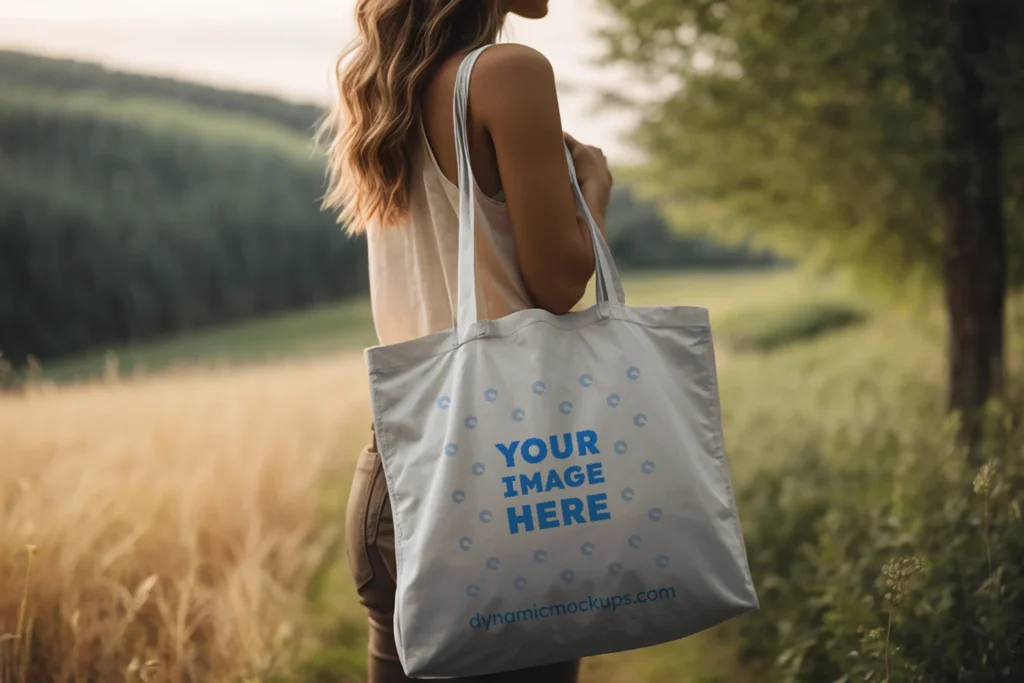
[444, 402]
[566, 408]
[451, 450]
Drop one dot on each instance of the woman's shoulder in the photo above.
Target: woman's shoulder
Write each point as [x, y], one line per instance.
[512, 60]
[503, 75]
[510, 79]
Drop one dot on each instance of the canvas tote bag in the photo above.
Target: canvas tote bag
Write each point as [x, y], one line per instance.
[559, 483]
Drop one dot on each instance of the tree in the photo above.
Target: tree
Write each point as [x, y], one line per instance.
[884, 135]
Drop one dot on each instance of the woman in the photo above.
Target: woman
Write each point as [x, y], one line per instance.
[393, 175]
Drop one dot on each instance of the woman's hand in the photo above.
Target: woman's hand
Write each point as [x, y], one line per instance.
[594, 176]
[591, 164]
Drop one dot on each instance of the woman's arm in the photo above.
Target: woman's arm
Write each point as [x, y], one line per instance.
[514, 97]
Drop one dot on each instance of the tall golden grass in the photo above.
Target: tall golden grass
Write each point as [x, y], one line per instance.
[171, 523]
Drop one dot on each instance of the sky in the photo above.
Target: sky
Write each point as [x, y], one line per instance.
[286, 47]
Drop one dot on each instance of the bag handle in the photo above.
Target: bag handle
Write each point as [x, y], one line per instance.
[609, 284]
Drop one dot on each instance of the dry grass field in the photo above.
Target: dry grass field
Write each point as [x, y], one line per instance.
[167, 527]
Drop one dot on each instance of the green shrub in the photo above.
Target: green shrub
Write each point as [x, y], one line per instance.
[775, 327]
[883, 555]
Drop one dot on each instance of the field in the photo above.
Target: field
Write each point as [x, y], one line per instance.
[345, 327]
[186, 525]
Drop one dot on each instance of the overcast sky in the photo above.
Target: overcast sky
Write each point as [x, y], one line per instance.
[285, 47]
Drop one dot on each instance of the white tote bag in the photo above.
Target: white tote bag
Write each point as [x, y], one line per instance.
[558, 483]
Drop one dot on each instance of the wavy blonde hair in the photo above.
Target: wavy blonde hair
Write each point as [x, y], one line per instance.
[380, 80]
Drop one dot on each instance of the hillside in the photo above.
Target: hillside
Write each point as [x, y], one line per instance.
[643, 239]
[124, 219]
[134, 207]
[66, 75]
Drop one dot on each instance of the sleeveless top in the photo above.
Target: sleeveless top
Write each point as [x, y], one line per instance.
[414, 265]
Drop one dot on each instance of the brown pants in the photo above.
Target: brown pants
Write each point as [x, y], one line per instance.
[370, 541]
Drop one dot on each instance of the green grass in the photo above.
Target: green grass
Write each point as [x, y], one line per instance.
[349, 326]
[771, 328]
[315, 331]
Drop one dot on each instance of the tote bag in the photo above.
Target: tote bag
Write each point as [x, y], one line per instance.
[558, 483]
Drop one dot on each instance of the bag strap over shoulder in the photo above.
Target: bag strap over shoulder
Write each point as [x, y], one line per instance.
[609, 284]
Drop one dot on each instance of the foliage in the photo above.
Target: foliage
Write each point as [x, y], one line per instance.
[121, 220]
[766, 329]
[818, 125]
[881, 555]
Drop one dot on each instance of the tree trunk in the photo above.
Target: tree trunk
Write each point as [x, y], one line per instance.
[975, 229]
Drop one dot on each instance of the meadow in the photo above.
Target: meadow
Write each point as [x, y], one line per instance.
[186, 524]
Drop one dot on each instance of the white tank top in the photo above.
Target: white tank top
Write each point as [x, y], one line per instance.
[414, 265]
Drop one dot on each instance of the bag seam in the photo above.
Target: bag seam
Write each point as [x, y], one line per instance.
[373, 368]
[723, 459]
